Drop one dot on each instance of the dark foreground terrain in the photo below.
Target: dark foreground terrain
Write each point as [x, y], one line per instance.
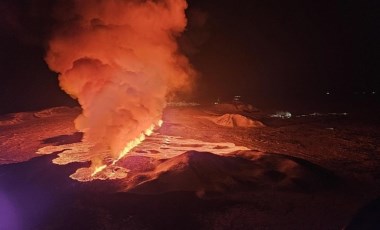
[311, 171]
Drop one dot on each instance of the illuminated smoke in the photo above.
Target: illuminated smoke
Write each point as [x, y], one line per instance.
[120, 60]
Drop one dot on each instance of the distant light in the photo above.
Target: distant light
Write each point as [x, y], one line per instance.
[327, 93]
[322, 114]
[282, 114]
[373, 92]
[237, 98]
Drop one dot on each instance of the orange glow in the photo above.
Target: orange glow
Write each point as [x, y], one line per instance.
[98, 169]
[134, 143]
[120, 60]
[130, 146]
[149, 131]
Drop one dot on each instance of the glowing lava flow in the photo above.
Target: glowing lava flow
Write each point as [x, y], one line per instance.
[132, 144]
[137, 141]
[149, 131]
[98, 169]
[156, 147]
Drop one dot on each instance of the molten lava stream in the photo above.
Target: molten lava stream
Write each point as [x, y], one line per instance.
[98, 169]
[131, 145]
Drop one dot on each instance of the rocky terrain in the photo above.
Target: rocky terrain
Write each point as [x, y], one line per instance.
[208, 167]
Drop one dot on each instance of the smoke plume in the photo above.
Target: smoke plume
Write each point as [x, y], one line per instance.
[120, 60]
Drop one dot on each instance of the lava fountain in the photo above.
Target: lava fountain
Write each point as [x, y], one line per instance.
[120, 60]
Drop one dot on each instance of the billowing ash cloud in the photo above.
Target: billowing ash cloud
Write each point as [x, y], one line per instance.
[120, 60]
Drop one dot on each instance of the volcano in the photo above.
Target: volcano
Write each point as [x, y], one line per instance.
[191, 173]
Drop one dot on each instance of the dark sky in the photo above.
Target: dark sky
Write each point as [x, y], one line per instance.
[271, 51]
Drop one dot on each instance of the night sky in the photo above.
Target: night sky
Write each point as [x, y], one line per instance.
[270, 52]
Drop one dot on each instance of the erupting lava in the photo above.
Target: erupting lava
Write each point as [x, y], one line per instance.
[120, 60]
[137, 141]
[132, 144]
[98, 169]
